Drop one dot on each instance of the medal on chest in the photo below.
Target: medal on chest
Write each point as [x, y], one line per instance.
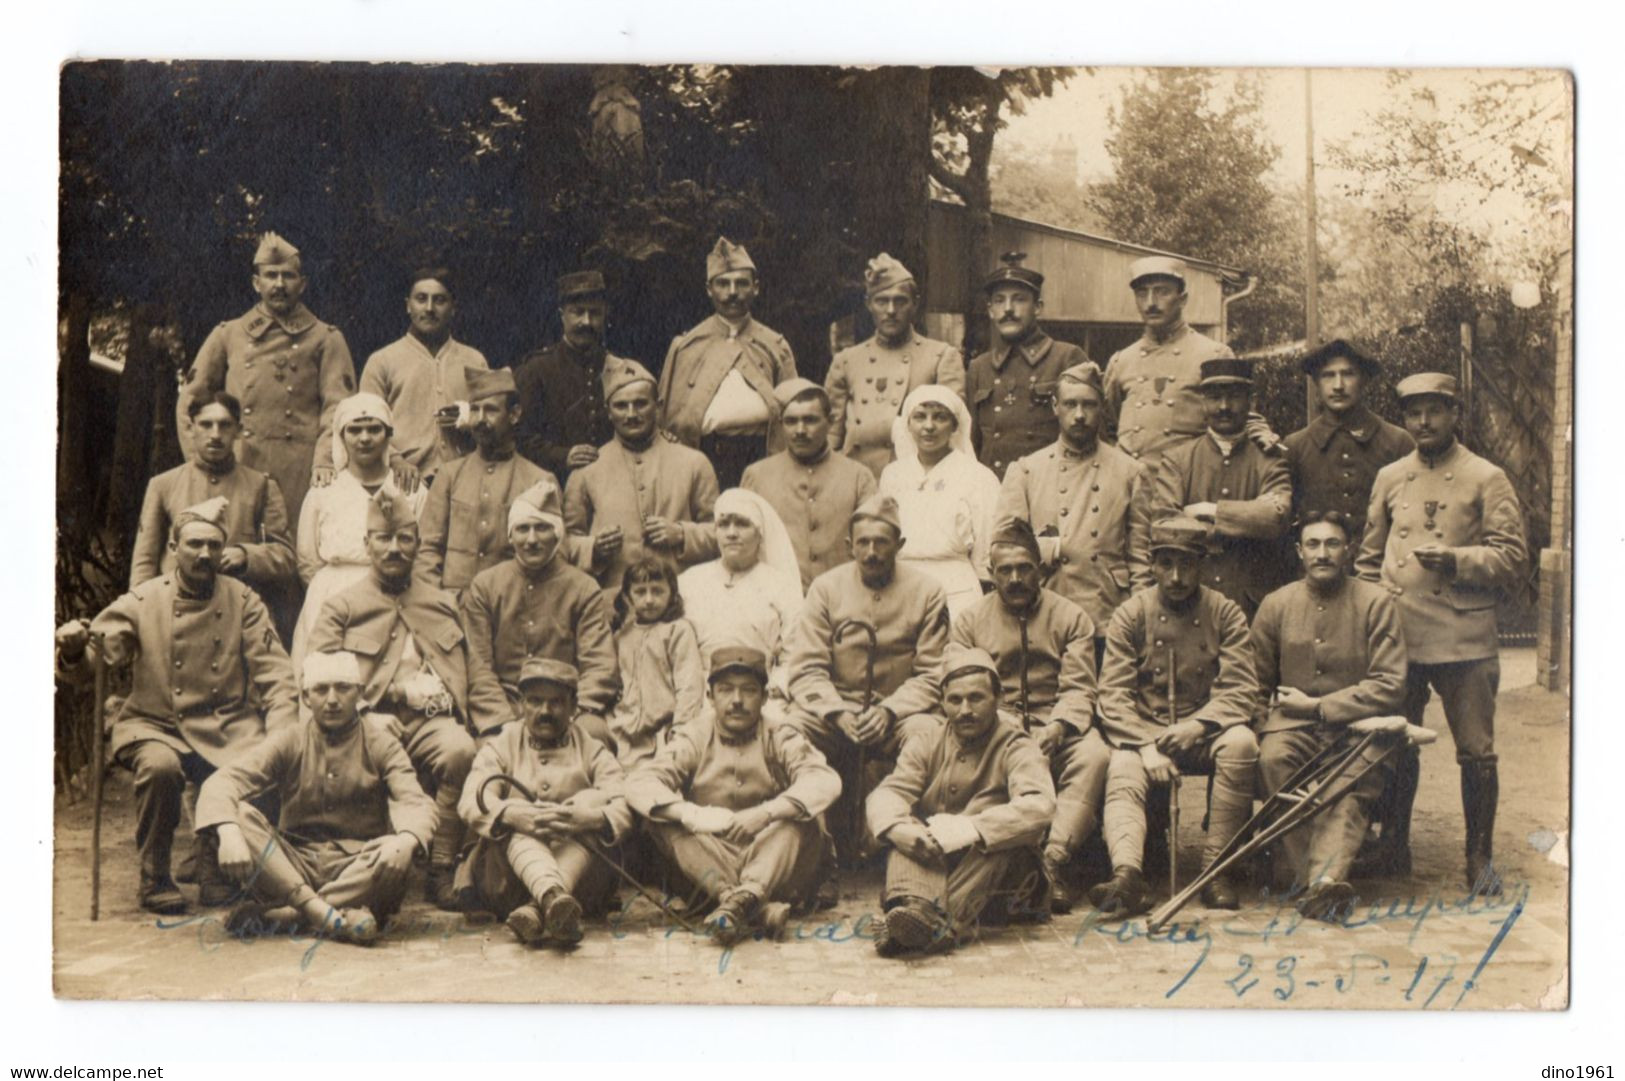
[1431, 506]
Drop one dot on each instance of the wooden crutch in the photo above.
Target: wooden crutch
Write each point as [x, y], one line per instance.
[1173, 788]
[98, 741]
[855, 817]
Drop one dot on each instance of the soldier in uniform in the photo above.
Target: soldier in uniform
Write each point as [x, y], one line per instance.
[1335, 457]
[645, 492]
[420, 680]
[1444, 534]
[813, 489]
[962, 813]
[1084, 499]
[1328, 649]
[208, 678]
[529, 864]
[258, 548]
[716, 388]
[563, 420]
[287, 368]
[423, 375]
[537, 605]
[1203, 635]
[1223, 478]
[1152, 400]
[352, 816]
[1044, 648]
[465, 518]
[734, 804]
[867, 382]
[1011, 388]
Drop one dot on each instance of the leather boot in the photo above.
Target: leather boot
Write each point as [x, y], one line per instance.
[213, 888]
[439, 887]
[734, 918]
[160, 894]
[1480, 793]
[1124, 894]
[1390, 855]
[1057, 894]
[1220, 893]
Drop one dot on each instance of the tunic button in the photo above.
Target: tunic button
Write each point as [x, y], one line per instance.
[177, 664]
[177, 690]
[1063, 512]
[288, 412]
[248, 410]
[1217, 578]
[1320, 641]
[392, 634]
[1094, 532]
[1449, 476]
[1224, 491]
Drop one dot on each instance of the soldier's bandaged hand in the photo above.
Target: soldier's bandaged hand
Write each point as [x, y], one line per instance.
[952, 832]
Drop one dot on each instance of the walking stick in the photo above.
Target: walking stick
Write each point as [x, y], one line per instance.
[854, 819]
[1173, 788]
[98, 713]
[592, 846]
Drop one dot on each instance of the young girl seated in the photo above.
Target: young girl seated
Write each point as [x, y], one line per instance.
[662, 682]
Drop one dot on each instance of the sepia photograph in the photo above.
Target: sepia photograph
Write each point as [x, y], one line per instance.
[817, 535]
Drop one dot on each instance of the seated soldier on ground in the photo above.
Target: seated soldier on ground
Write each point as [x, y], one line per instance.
[352, 816]
[734, 803]
[1330, 649]
[1044, 646]
[1203, 635]
[532, 862]
[208, 677]
[963, 814]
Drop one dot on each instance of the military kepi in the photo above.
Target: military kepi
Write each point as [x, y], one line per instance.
[1011, 272]
[580, 285]
[1415, 386]
[737, 659]
[1222, 371]
[727, 257]
[1156, 266]
[548, 670]
[1180, 532]
[882, 508]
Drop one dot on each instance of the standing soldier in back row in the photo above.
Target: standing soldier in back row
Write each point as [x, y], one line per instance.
[1011, 388]
[287, 368]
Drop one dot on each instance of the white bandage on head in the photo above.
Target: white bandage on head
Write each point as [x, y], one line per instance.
[538, 503]
[335, 667]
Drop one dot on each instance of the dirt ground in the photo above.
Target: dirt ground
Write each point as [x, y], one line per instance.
[1412, 945]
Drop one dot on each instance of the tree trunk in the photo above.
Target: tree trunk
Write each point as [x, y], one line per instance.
[132, 431]
[74, 492]
[893, 182]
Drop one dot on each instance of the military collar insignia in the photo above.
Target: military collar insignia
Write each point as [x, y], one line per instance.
[1325, 426]
[295, 323]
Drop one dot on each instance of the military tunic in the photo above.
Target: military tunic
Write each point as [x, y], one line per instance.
[1214, 679]
[561, 392]
[624, 486]
[341, 796]
[1096, 505]
[464, 524]
[290, 373]
[256, 520]
[773, 767]
[867, 383]
[1013, 401]
[1464, 503]
[1333, 464]
[1253, 495]
[558, 613]
[699, 360]
[416, 383]
[1152, 400]
[815, 503]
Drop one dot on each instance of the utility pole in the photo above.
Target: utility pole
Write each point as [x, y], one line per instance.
[1311, 253]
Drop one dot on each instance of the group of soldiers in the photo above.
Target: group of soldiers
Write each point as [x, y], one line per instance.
[446, 704]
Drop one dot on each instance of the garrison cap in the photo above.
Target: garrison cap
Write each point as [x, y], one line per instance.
[1338, 347]
[580, 285]
[883, 272]
[791, 389]
[538, 503]
[1011, 272]
[1017, 532]
[727, 256]
[274, 251]
[737, 659]
[1087, 373]
[335, 667]
[620, 374]
[488, 384]
[549, 670]
[1156, 266]
[1415, 386]
[962, 659]
[882, 508]
[1220, 371]
[388, 512]
[209, 512]
[1182, 533]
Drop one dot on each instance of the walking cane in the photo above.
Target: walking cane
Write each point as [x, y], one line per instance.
[1173, 789]
[98, 712]
[592, 846]
[854, 820]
